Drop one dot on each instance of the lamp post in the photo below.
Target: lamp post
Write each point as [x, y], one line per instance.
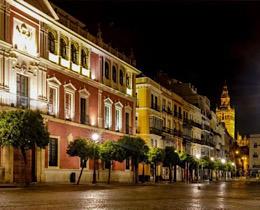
[95, 137]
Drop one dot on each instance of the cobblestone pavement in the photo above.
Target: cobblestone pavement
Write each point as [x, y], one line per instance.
[224, 195]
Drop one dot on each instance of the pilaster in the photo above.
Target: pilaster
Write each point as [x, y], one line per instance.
[100, 118]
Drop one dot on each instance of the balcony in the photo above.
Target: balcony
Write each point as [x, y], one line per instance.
[157, 131]
[175, 114]
[179, 115]
[195, 124]
[84, 119]
[155, 107]
[23, 102]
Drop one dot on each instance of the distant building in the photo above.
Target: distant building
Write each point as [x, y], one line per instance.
[225, 113]
[254, 154]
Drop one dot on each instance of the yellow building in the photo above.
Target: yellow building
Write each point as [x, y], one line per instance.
[159, 118]
[225, 113]
[159, 114]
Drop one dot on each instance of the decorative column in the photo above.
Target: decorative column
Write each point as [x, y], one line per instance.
[100, 102]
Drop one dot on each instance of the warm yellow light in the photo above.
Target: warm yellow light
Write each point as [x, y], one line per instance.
[237, 152]
[95, 136]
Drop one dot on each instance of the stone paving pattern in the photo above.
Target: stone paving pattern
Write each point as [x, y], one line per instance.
[178, 196]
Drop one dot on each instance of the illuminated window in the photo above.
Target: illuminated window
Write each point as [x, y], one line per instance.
[118, 120]
[108, 113]
[53, 101]
[51, 42]
[53, 152]
[121, 77]
[114, 74]
[22, 91]
[63, 48]
[84, 59]
[107, 70]
[74, 54]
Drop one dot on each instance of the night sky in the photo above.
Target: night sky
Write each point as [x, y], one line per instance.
[202, 42]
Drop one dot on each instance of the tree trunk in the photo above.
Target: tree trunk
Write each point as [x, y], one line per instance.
[143, 174]
[25, 167]
[109, 173]
[136, 173]
[94, 181]
[81, 171]
[155, 173]
[170, 173]
[175, 173]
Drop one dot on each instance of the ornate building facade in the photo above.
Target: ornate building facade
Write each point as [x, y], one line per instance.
[225, 113]
[80, 84]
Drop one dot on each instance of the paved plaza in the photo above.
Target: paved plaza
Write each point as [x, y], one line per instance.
[223, 195]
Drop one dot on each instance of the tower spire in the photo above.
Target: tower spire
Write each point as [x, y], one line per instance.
[225, 99]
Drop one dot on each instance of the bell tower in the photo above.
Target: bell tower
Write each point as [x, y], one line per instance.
[225, 113]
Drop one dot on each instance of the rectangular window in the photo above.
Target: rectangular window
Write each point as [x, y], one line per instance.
[107, 116]
[152, 101]
[52, 108]
[53, 152]
[127, 127]
[83, 111]
[118, 119]
[22, 91]
[68, 106]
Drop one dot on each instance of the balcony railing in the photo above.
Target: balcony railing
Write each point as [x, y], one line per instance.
[23, 101]
[84, 119]
[155, 107]
[157, 131]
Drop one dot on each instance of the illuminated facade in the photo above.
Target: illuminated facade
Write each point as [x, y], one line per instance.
[225, 113]
[82, 85]
[254, 153]
[159, 115]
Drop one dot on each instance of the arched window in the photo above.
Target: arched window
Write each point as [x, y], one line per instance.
[107, 70]
[63, 48]
[121, 77]
[114, 74]
[51, 42]
[84, 59]
[127, 80]
[74, 54]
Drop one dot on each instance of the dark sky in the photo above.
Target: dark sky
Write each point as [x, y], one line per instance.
[202, 42]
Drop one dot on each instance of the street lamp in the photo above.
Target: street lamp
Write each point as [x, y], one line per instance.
[212, 158]
[95, 137]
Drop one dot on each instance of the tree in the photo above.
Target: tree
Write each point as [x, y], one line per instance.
[156, 155]
[81, 148]
[189, 163]
[135, 148]
[110, 151]
[171, 159]
[23, 129]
